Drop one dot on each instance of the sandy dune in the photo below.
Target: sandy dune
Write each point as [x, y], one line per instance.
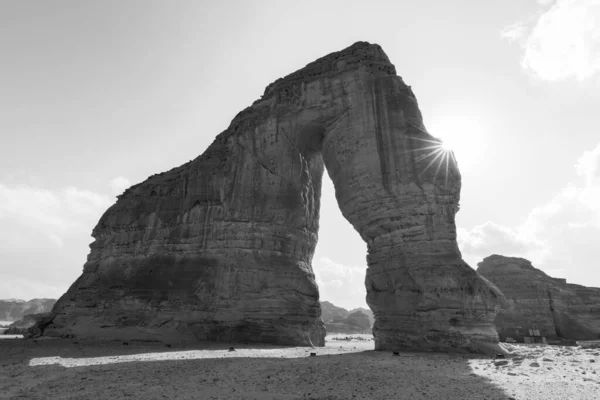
[67, 369]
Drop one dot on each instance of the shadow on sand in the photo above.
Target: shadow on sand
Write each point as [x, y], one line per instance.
[210, 371]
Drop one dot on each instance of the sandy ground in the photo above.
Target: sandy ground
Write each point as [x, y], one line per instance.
[68, 369]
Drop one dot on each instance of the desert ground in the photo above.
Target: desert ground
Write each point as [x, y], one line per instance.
[343, 369]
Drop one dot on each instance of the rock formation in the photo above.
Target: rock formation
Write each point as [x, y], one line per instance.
[539, 306]
[339, 320]
[220, 248]
[15, 309]
[366, 311]
[331, 312]
[30, 324]
[360, 320]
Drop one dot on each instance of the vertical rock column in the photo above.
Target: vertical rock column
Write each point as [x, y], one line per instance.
[379, 157]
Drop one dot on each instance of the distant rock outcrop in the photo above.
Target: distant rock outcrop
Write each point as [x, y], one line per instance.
[366, 311]
[221, 247]
[339, 320]
[330, 312]
[360, 320]
[14, 309]
[540, 306]
[30, 325]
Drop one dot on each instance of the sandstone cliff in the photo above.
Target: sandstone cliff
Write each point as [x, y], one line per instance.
[220, 248]
[539, 305]
[14, 309]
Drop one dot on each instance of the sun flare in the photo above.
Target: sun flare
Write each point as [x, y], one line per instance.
[463, 136]
[454, 141]
[434, 155]
[446, 146]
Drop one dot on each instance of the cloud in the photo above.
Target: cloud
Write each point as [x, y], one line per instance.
[343, 285]
[44, 237]
[489, 238]
[587, 165]
[53, 213]
[12, 286]
[119, 184]
[561, 235]
[562, 42]
[515, 31]
[84, 201]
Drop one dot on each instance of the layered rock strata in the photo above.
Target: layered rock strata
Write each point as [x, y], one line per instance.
[220, 248]
[539, 306]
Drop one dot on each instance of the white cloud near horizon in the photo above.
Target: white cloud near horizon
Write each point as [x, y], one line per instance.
[12, 286]
[342, 285]
[44, 235]
[53, 213]
[561, 42]
[491, 238]
[561, 236]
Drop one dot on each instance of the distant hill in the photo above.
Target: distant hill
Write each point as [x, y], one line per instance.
[15, 309]
[366, 311]
[336, 319]
[339, 320]
[329, 312]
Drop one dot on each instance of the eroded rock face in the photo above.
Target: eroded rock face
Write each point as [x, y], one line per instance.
[220, 248]
[536, 301]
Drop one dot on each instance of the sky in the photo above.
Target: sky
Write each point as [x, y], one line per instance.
[97, 96]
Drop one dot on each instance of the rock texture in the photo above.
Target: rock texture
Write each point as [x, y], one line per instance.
[220, 248]
[539, 304]
[15, 309]
[30, 325]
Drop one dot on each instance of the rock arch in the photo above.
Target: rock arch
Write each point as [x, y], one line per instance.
[227, 251]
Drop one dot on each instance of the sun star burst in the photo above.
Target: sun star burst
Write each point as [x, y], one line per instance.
[438, 153]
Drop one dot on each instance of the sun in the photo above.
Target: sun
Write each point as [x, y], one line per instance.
[461, 135]
[455, 140]
[446, 146]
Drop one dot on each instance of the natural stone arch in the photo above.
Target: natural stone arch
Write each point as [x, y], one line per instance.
[220, 248]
